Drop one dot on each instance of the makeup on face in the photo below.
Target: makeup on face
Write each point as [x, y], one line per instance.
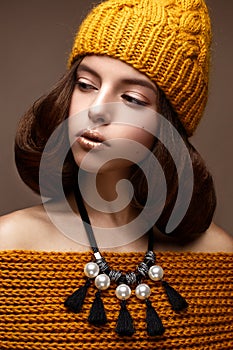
[111, 100]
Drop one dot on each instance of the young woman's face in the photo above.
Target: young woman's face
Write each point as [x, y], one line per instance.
[111, 108]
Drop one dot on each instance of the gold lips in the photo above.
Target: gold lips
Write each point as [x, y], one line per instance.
[91, 139]
[93, 135]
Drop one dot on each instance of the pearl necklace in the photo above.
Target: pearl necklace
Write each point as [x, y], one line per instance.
[99, 272]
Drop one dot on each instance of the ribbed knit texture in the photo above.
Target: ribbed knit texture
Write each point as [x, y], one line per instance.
[34, 286]
[168, 40]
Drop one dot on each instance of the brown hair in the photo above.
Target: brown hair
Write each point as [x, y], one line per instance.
[37, 125]
[203, 201]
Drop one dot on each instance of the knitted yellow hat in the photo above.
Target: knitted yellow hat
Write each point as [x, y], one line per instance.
[168, 40]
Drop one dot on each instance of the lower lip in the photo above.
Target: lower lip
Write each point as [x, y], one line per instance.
[88, 144]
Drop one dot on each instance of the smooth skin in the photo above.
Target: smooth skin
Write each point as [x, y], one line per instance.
[100, 81]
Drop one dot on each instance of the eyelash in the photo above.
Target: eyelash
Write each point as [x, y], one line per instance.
[130, 99]
[84, 86]
[134, 100]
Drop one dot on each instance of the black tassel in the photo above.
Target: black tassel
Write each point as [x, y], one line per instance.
[177, 302]
[97, 315]
[154, 323]
[125, 321]
[75, 301]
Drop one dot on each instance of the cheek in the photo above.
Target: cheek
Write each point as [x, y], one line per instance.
[79, 102]
[135, 143]
[73, 105]
[138, 134]
[143, 137]
[78, 117]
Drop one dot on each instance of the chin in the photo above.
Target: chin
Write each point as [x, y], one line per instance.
[94, 166]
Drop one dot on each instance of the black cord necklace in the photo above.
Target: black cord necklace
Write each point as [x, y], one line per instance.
[99, 271]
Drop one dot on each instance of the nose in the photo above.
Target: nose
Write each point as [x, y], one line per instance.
[100, 113]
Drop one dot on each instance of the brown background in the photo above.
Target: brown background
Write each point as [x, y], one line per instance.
[36, 37]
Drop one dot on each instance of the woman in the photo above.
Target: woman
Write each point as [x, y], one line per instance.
[135, 90]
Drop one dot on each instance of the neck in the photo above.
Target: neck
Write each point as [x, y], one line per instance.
[107, 197]
[111, 228]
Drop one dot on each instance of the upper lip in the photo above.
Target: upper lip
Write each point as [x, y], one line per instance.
[93, 135]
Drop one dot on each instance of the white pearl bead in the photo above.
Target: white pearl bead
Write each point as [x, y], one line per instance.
[91, 269]
[102, 281]
[142, 291]
[155, 273]
[123, 291]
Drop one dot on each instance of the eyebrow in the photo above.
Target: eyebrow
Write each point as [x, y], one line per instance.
[133, 81]
[87, 69]
[140, 82]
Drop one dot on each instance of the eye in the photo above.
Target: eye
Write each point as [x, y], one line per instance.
[84, 86]
[134, 100]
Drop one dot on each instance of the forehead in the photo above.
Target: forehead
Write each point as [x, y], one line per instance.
[113, 68]
[103, 63]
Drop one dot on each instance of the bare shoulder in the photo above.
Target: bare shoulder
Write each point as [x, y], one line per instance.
[223, 239]
[215, 239]
[32, 229]
[18, 219]
[20, 226]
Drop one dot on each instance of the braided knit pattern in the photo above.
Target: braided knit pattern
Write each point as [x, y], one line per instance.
[168, 40]
[34, 286]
